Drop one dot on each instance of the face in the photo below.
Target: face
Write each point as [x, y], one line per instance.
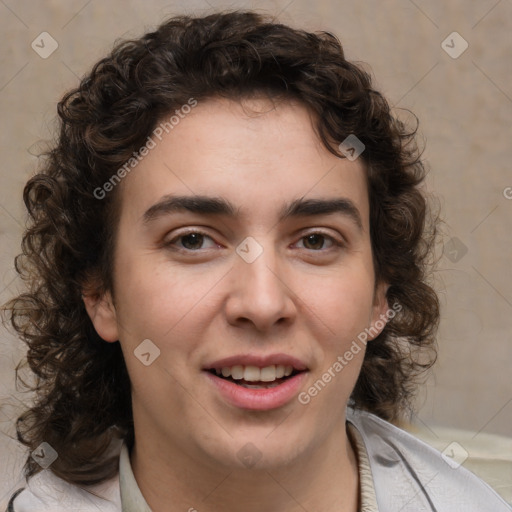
[242, 243]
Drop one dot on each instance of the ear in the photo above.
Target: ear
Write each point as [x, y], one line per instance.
[380, 308]
[102, 312]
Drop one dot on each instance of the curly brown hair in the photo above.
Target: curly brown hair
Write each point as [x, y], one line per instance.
[82, 388]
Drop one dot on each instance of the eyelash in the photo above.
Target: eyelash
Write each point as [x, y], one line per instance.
[335, 242]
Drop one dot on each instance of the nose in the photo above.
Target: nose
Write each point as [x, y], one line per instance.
[260, 293]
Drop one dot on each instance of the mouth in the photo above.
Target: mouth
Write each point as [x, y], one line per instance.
[256, 381]
[253, 377]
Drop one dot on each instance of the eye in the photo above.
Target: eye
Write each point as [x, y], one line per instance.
[191, 241]
[315, 241]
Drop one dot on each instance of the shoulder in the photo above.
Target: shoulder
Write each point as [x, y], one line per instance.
[45, 492]
[410, 475]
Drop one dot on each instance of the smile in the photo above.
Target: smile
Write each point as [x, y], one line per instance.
[253, 377]
[256, 394]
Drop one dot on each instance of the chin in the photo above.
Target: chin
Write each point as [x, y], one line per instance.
[253, 452]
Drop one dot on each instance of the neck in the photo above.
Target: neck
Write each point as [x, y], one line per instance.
[324, 479]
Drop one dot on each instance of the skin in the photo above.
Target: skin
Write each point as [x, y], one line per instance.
[306, 297]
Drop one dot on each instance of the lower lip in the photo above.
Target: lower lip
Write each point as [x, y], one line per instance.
[258, 399]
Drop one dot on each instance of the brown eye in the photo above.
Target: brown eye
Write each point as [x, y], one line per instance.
[315, 241]
[193, 241]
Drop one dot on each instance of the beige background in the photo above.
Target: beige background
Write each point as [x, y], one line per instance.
[465, 109]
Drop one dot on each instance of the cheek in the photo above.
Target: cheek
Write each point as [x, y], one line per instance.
[344, 304]
[155, 294]
[170, 306]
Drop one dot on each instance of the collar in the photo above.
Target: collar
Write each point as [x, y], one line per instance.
[367, 497]
[131, 497]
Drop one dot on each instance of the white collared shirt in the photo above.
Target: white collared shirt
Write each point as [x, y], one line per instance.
[396, 472]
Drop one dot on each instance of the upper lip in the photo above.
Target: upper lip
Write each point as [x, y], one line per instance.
[260, 361]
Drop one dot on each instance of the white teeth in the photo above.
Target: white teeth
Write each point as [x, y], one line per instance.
[237, 372]
[252, 374]
[255, 374]
[268, 374]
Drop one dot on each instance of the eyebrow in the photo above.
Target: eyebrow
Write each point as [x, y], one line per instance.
[215, 206]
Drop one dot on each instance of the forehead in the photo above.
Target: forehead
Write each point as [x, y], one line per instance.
[258, 154]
